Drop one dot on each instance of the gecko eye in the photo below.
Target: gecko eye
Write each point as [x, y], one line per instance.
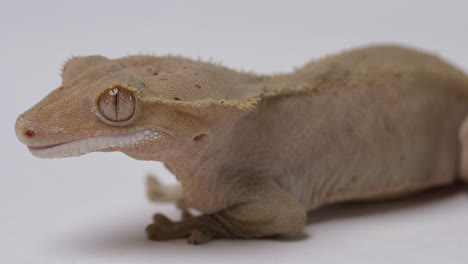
[117, 104]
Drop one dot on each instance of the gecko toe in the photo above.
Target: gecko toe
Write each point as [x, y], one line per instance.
[161, 219]
[198, 237]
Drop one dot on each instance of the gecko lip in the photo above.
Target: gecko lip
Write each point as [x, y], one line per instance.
[82, 146]
[45, 147]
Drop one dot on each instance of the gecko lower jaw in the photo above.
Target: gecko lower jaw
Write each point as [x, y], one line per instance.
[82, 146]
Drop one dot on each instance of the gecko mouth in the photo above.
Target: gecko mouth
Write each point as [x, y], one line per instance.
[82, 146]
[45, 147]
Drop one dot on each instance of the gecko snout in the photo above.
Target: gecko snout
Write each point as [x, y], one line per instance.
[24, 131]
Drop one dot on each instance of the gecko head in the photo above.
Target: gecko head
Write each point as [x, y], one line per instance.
[150, 108]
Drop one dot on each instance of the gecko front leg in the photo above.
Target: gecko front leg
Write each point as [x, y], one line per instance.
[266, 211]
[157, 192]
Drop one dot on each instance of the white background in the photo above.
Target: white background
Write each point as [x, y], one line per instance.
[92, 209]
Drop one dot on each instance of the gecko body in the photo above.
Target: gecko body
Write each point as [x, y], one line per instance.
[254, 153]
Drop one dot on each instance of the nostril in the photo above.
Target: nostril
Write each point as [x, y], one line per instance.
[29, 133]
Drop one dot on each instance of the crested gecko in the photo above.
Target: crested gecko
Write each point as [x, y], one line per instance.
[254, 153]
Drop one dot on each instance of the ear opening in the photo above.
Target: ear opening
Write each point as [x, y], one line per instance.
[200, 137]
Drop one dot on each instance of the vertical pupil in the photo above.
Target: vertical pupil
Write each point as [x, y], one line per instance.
[116, 105]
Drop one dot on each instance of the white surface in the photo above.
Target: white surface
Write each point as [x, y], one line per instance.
[92, 209]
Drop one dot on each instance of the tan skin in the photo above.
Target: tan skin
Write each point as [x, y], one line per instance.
[255, 153]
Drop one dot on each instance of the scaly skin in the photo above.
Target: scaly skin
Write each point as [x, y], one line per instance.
[255, 153]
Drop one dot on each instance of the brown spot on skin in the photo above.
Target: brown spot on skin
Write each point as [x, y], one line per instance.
[30, 133]
[155, 73]
[198, 86]
[177, 98]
